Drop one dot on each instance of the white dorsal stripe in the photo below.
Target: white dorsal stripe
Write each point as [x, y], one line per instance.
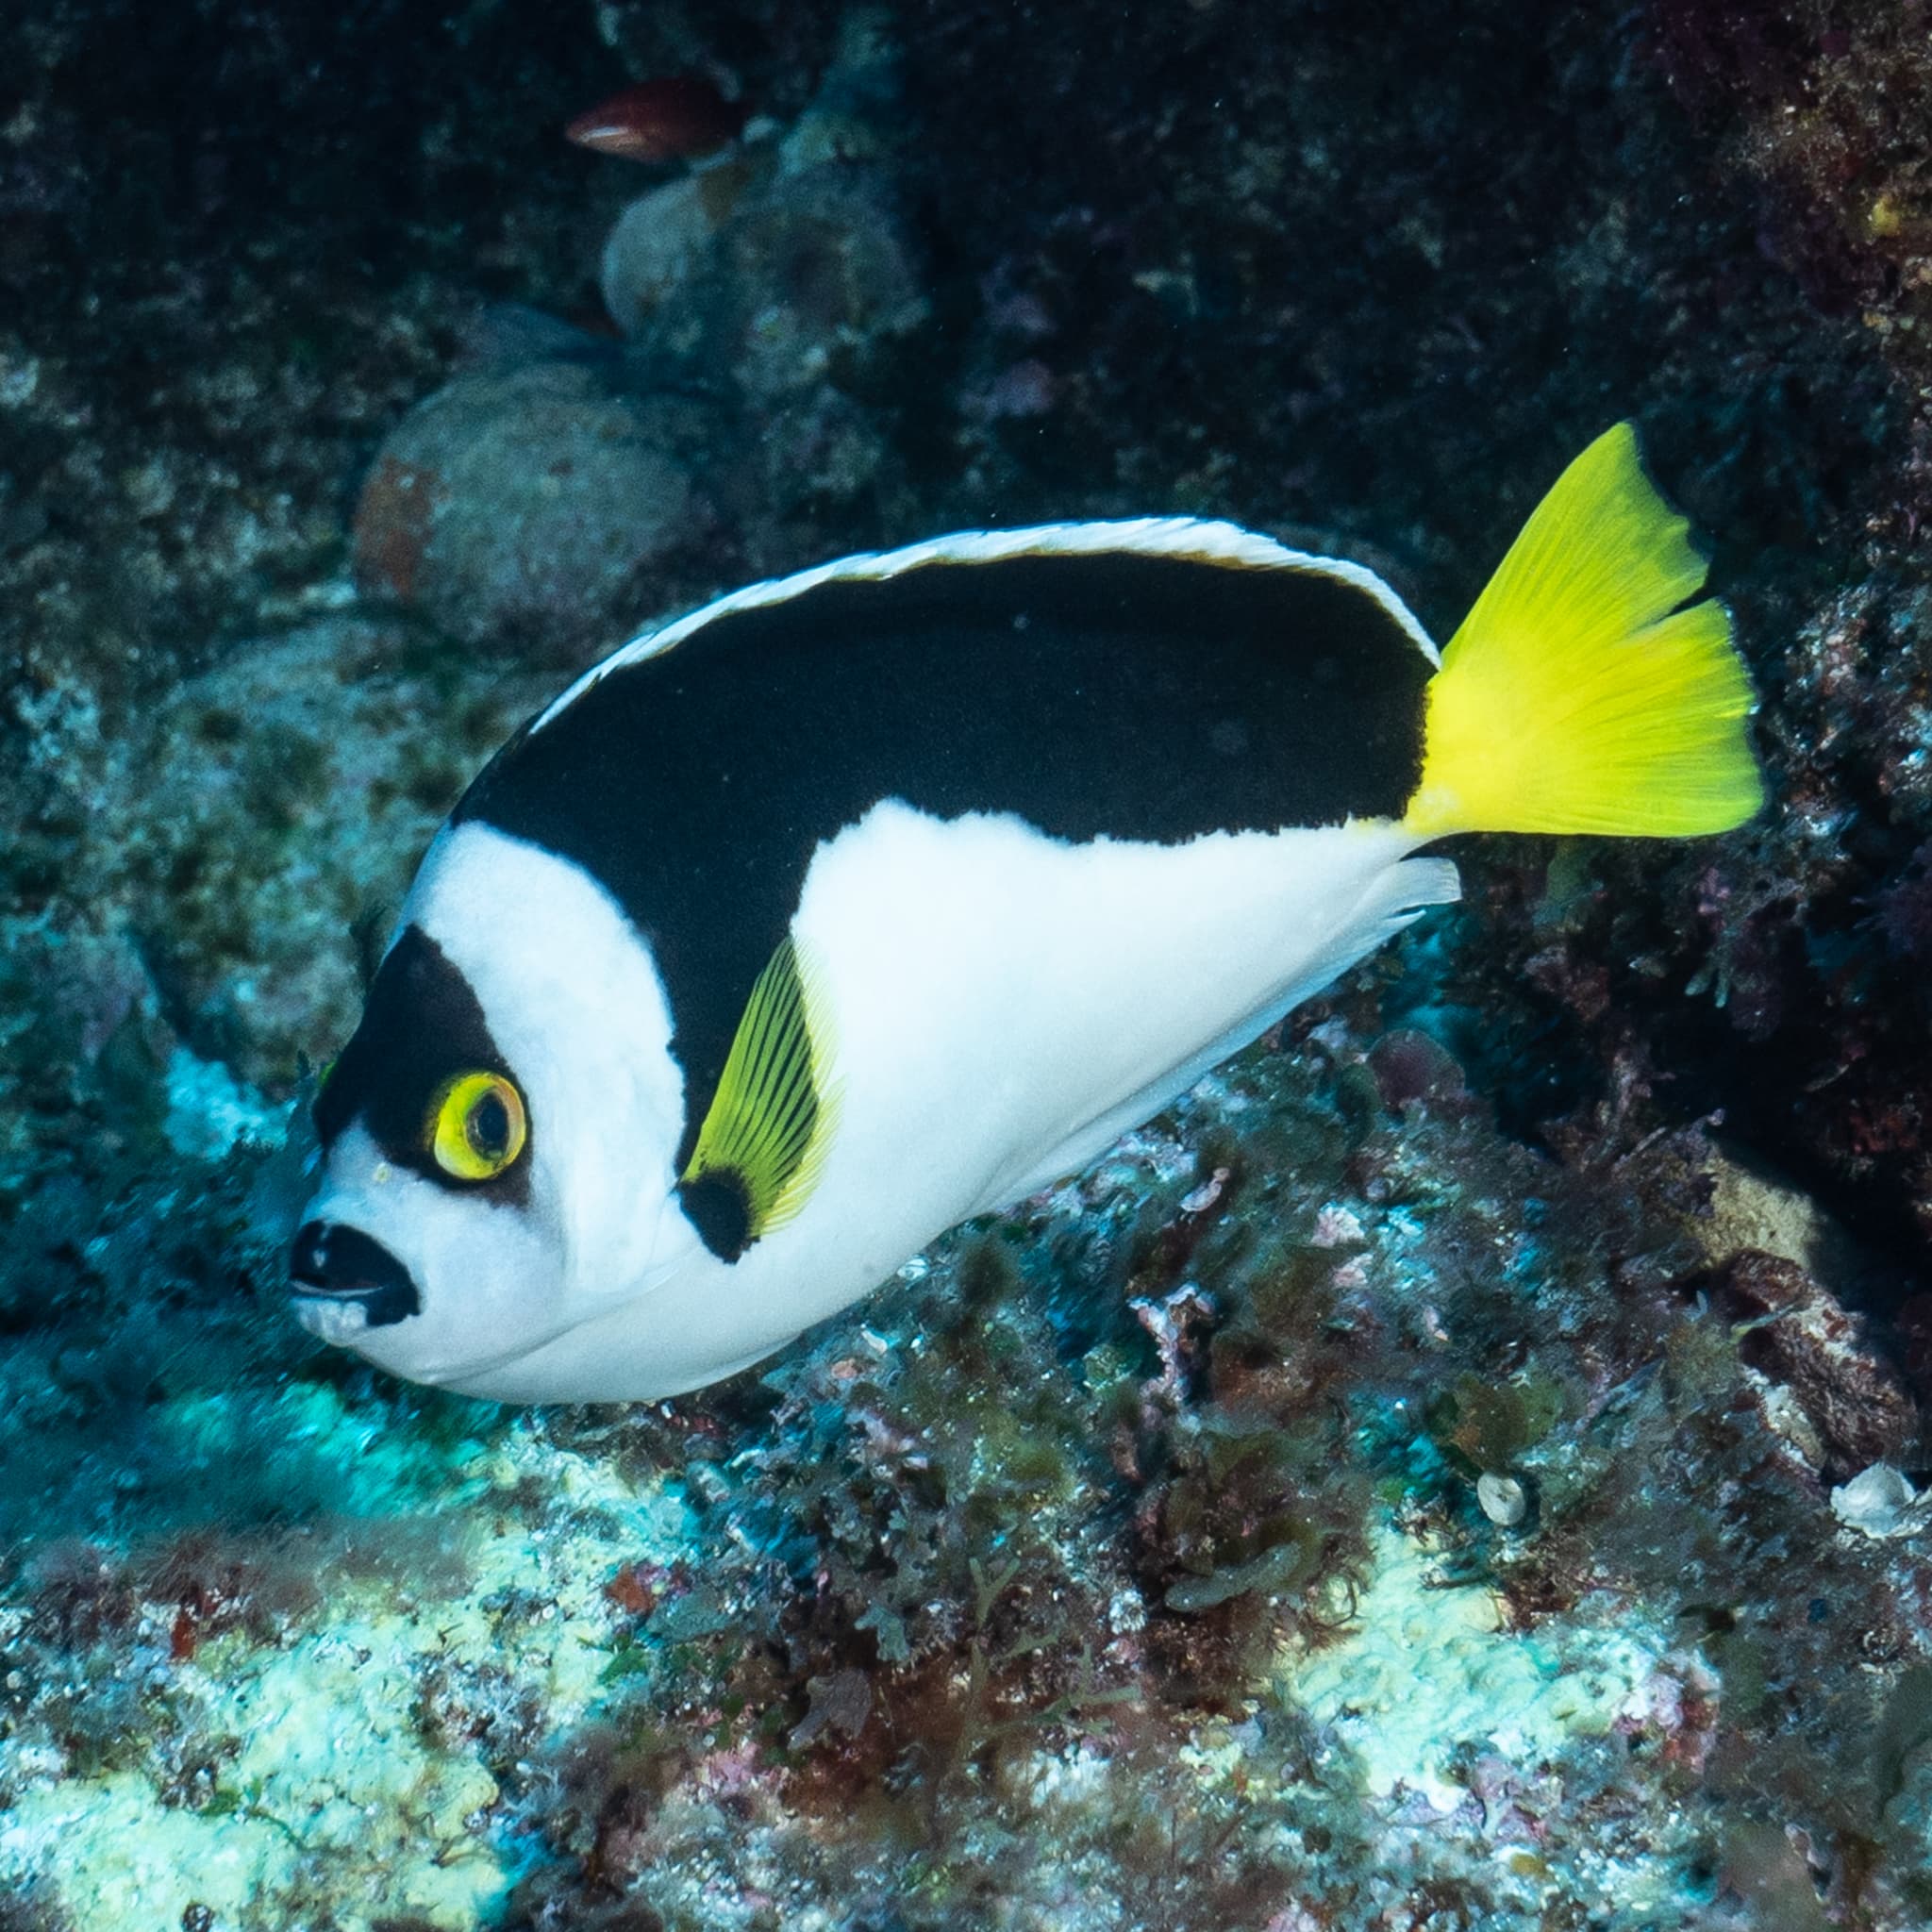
[1211, 542]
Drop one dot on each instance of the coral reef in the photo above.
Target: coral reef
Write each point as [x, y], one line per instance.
[1158, 1502]
[1466, 1465]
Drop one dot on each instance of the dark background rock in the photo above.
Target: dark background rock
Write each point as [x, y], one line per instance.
[533, 505]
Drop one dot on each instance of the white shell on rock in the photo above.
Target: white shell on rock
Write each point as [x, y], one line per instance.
[1502, 1499]
[1880, 1501]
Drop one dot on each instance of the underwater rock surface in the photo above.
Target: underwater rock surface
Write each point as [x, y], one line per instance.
[527, 503]
[1465, 1466]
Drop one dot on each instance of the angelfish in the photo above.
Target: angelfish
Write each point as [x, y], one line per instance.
[860, 902]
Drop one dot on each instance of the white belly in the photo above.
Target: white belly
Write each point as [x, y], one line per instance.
[1004, 1006]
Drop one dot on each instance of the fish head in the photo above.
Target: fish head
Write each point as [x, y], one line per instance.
[497, 1138]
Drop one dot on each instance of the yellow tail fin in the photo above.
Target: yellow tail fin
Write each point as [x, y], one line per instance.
[1576, 696]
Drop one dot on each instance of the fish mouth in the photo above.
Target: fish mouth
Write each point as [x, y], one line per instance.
[344, 1282]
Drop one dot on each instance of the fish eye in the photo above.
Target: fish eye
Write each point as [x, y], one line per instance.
[477, 1127]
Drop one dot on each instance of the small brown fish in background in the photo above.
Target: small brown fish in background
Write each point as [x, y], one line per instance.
[678, 117]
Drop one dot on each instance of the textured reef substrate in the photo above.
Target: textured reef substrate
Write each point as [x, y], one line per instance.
[1461, 1468]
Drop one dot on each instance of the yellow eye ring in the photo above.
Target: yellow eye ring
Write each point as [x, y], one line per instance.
[477, 1127]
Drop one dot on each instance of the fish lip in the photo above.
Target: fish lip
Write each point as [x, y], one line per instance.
[336, 1268]
[363, 1291]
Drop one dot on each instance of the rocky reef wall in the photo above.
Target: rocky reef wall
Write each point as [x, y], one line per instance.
[1460, 1468]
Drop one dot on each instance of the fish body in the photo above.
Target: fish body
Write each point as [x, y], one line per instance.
[864, 902]
[676, 117]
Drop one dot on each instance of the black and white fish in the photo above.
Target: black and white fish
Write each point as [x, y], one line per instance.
[860, 902]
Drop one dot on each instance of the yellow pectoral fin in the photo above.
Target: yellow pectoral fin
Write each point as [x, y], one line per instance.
[770, 1123]
[1576, 696]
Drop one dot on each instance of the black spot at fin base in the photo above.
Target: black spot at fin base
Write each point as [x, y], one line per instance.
[718, 1203]
[769, 1125]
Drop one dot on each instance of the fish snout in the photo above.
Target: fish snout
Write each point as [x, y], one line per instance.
[344, 1280]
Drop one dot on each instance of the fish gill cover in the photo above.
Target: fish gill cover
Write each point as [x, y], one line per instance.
[1461, 1466]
